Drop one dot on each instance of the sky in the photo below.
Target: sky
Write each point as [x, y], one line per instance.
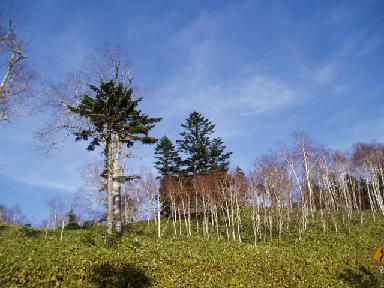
[259, 70]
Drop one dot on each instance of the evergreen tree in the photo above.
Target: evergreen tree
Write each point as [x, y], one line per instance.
[203, 153]
[217, 158]
[168, 159]
[112, 111]
[73, 222]
[114, 120]
[168, 165]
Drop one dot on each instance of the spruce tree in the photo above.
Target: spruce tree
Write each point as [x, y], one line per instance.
[114, 120]
[113, 111]
[168, 165]
[73, 222]
[218, 159]
[168, 159]
[203, 153]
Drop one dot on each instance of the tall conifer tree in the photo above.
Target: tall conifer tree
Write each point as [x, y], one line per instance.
[168, 165]
[203, 153]
[168, 159]
[114, 120]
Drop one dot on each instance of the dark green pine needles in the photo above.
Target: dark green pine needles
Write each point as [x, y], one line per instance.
[204, 154]
[168, 160]
[113, 111]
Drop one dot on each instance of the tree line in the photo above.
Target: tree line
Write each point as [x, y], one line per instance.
[292, 189]
[295, 188]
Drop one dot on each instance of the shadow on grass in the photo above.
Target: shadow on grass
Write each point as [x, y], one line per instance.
[107, 275]
[29, 232]
[362, 278]
[139, 230]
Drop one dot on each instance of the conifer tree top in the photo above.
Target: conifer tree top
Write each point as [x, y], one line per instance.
[204, 153]
[113, 110]
[168, 159]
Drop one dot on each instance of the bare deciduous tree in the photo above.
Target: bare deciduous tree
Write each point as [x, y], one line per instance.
[12, 215]
[68, 92]
[90, 199]
[57, 210]
[16, 79]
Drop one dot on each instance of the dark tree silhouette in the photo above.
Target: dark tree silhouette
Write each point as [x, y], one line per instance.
[204, 154]
[168, 159]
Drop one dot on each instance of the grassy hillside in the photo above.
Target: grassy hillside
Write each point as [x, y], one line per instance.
[138, 259]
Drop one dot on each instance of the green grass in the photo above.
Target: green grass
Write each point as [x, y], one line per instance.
[138, 259]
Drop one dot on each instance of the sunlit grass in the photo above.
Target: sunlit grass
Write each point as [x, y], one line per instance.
[30, 258]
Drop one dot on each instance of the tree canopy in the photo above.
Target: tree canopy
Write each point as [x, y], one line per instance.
[168, 160]
[114, 120]
[204, 154]
[113, 111]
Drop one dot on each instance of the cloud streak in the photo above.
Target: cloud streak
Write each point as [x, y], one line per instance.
[39, 181]
[214, 80]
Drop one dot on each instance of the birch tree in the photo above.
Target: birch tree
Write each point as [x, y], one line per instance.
[16, 79]
[57, 209]
[90, 200]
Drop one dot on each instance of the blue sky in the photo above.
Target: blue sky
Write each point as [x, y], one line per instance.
[259, 70]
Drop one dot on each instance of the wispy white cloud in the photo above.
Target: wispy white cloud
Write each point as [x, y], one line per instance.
[337, 71]
[56, 171]
[209, 81]
[259, 94]
[223, 101]
[40, 181]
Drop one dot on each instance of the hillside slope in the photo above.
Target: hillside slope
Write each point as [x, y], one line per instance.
[138, 259]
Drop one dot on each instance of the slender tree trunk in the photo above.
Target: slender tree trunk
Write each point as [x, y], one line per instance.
[62, 230]
[117, 172]
[55, 224]
[109, 185]
[238, 217]
[180, 221]
[174, 218]
[158, 216]
[185, 215]
[7, 73]
[126, 210]
[189, 216]
[196, 214]
[46, 231]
